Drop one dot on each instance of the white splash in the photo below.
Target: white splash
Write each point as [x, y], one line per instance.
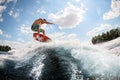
[96, 60]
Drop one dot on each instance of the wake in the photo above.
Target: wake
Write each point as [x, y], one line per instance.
[65, 60]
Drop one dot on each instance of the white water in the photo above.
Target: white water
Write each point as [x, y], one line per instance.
[95, 60]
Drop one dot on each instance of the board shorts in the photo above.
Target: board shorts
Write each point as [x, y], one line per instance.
[35, 28]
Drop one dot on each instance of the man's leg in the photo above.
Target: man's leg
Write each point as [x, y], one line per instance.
[43, 31]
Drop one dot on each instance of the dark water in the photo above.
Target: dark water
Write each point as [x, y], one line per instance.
[47, 64]
[57, 66]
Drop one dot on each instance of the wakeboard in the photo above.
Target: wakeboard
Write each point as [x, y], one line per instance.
[41, 37]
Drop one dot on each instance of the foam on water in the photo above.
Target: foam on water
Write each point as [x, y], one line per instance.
[93, 60]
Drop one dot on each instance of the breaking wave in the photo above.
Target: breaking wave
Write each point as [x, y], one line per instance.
[61, 60]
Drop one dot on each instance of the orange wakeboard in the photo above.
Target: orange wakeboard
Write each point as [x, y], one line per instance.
[41, 37]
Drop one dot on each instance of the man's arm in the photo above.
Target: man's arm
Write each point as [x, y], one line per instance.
[48, 22]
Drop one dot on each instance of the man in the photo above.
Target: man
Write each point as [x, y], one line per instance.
[36, 26]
